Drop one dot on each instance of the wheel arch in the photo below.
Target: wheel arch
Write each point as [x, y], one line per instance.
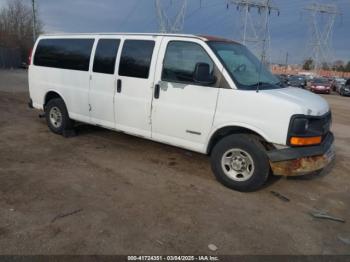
[224, 131]
[51, 94]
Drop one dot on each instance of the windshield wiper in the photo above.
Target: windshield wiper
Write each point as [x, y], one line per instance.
[258, 84]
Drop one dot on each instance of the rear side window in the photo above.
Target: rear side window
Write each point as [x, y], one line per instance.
[180, 61]
[71, 54]
[105, 56]
[136, 58]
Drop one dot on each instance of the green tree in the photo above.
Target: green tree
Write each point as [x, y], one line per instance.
[347, 67]
[325, 66]
[308, 64]
[339, 65]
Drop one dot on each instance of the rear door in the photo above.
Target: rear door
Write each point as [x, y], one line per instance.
[103, 82]
[183, 112]
[135, 84]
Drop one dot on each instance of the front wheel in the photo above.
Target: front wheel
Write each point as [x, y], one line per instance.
[240, 162]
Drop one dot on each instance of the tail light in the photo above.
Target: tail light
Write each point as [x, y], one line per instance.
[30, 57]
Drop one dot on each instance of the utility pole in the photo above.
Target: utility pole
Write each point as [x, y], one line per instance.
[167, 25]
[322, 19]
[287, 56]
[255, 26]
[34, 21]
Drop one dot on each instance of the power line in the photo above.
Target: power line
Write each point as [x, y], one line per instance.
[201, 7]
[130, 13]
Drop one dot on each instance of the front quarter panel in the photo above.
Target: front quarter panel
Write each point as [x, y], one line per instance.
[264, 114]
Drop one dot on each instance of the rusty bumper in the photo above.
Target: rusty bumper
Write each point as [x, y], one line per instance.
[302, 160]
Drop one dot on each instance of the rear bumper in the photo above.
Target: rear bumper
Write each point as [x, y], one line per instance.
[296, 161]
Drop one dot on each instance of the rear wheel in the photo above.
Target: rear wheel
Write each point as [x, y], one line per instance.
[57, 117]
[240, 162]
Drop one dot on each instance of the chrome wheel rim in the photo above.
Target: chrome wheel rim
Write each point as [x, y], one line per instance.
[55, 115]
[237, 164]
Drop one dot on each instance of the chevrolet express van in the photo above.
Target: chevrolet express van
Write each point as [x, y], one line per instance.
[200, 93]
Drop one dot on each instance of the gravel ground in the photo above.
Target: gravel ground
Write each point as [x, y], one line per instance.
[104, 192]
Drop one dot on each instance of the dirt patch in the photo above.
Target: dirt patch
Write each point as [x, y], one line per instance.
[135, 194]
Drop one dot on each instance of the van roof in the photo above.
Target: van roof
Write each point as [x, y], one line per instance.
[202, 37]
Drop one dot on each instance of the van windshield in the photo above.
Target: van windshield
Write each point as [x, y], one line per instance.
[246, 70]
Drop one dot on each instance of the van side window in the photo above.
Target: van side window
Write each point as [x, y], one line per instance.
[180, 61]
[71, 54]
[136, 58]
[105, 56]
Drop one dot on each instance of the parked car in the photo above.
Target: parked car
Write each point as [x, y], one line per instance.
[201, 93]
[337, 83]
[321, 86]
[344, 90]
[282, 80]
[297, 81]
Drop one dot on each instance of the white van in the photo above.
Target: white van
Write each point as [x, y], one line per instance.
[204, 94]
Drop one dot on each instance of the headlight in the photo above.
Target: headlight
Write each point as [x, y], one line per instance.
[300, 126]
[308, 130]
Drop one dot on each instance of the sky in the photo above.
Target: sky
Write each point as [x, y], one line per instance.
[289, 31]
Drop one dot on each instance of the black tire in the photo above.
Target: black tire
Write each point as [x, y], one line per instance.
[66, 123]
[257, 153]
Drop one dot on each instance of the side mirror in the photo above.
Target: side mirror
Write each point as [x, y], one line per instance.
[202, 74]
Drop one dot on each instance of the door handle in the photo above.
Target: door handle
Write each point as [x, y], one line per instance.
[156, 91]
[119, 85]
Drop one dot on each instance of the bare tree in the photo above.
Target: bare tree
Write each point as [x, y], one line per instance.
[16, 30]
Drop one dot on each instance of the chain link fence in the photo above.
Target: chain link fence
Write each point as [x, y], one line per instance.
[10, 57]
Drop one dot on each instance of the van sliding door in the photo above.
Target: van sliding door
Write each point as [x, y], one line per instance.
[135, 82]
[103, 83]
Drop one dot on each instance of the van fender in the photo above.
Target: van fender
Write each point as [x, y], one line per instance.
[239, 127]
[58, 93]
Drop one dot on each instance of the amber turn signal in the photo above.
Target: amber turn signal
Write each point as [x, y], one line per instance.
[305, 141]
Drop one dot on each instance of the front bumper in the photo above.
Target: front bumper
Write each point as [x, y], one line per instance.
[296, 161]
[322, 91]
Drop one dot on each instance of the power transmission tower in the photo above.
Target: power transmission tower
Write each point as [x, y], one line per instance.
[322, 19]
[166, 24]
[255, 24]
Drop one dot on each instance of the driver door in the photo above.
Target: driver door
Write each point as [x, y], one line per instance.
[183, 110]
